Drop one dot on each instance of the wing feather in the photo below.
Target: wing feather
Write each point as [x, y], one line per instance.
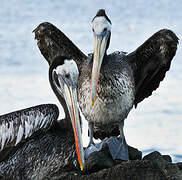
[151, 61]
[52, 42]
[15, 127]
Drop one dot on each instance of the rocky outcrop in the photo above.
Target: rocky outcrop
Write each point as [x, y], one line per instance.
[153, 166]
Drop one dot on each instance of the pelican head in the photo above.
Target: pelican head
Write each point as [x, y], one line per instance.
[64, 77]
[101, 26]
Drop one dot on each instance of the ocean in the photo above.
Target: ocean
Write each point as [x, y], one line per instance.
[156, 124]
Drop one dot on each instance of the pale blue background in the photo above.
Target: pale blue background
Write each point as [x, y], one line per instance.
[157, 122]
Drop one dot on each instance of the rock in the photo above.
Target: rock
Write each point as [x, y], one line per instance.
[153, 156]
[99, 160]
[170, 170]
[103, 159]
[179, 164]
[167, 158]
[153, 166]
[131, 170]
[134, 153]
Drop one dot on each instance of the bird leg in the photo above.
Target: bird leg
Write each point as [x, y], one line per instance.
[90, 129]
[117, 145]
[92, 147]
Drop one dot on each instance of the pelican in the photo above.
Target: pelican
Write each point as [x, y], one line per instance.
[40, 124]
[110, 85]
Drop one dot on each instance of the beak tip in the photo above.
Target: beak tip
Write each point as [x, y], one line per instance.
[82, 167]
[92, 104]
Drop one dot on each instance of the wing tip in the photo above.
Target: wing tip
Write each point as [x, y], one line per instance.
[167, 42]
[42, 26]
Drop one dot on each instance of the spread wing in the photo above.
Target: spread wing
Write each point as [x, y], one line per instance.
[52, 42]
[151, 61]
[15, 127]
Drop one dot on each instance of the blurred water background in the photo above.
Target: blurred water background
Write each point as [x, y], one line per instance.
[156, 124]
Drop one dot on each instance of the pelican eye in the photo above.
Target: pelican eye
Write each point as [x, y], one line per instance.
[67, 76]
[105, 29]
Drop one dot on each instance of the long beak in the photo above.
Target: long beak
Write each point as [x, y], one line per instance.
[100, 43]
[71, 101]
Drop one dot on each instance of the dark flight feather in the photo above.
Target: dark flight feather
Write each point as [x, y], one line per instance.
[52, 42]
[151, 61]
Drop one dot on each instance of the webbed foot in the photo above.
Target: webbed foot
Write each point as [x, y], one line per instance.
[92, 148]
[118, 148]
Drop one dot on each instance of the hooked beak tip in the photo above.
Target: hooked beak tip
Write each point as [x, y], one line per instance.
[92, 104]
[82, 167]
